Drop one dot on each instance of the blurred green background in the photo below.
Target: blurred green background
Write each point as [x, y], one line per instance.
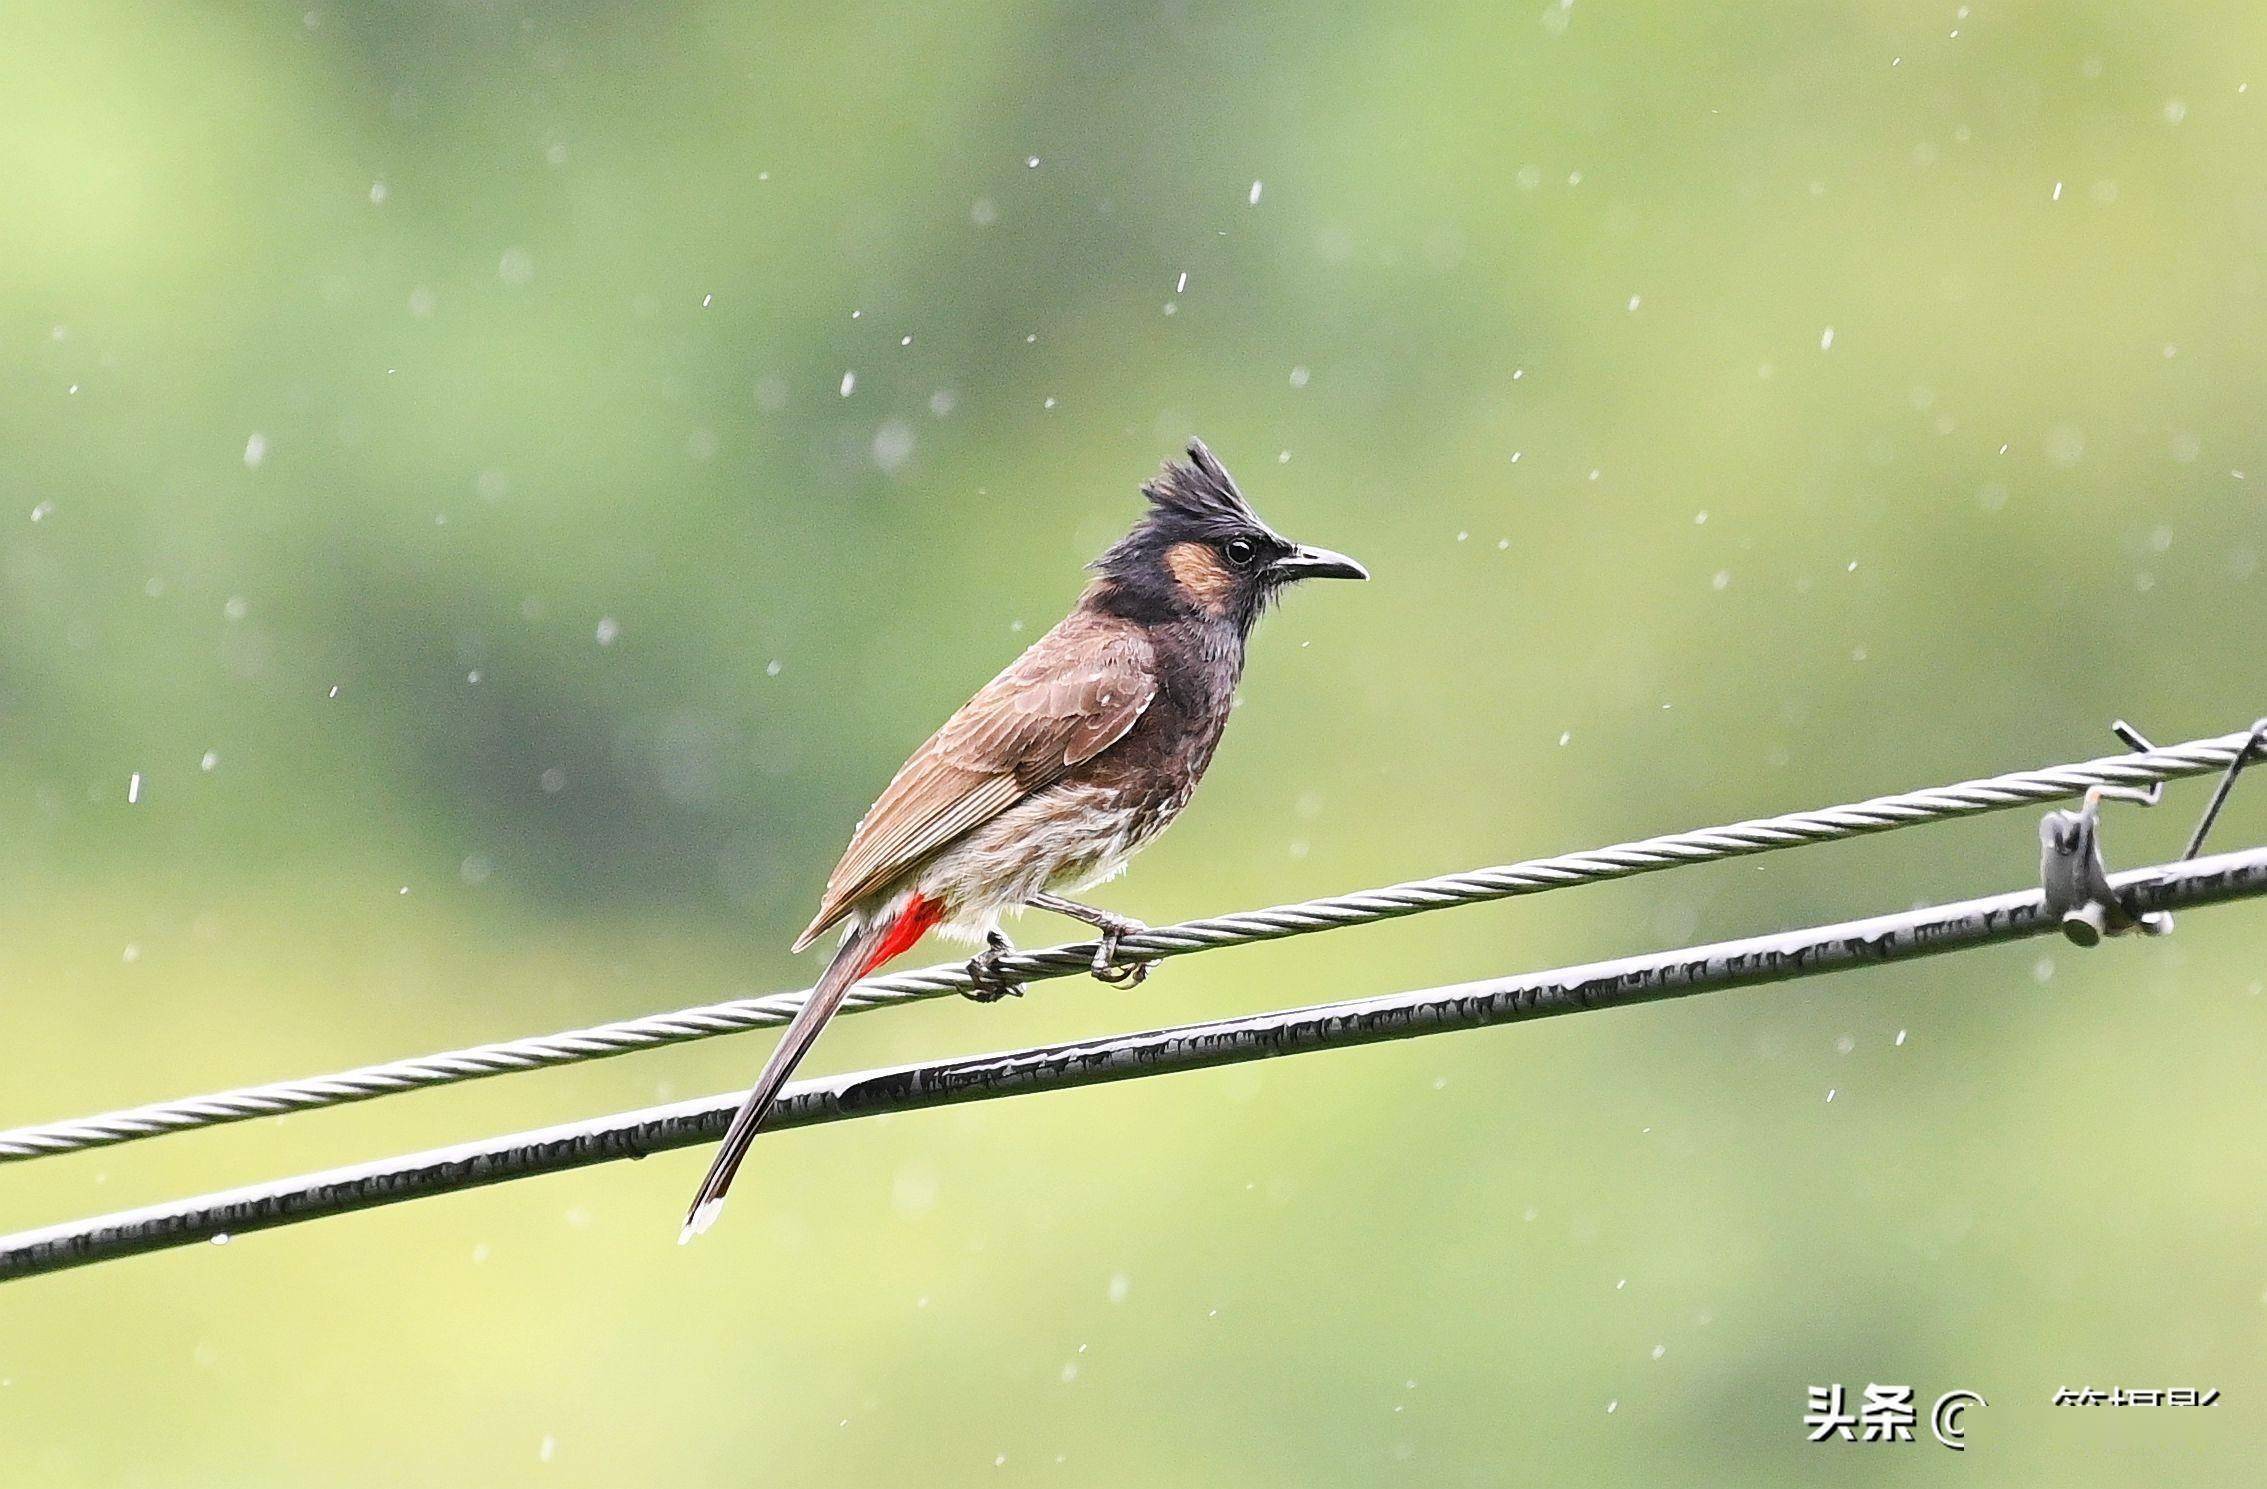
[513, 480]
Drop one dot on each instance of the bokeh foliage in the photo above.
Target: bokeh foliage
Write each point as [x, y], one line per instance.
[554, 460]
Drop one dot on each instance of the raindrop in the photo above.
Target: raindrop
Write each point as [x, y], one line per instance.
[893, 445]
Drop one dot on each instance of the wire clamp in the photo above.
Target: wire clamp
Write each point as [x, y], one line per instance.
[2078, 887]
[2071, 873]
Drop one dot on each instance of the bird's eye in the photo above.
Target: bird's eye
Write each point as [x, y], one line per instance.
[1241, 552]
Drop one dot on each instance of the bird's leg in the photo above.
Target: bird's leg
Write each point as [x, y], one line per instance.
[991, 984]
[1114, 927]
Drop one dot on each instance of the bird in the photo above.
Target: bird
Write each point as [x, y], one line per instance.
[1060, 769]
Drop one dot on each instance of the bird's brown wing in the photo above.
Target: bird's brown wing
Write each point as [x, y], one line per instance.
[1070, 697]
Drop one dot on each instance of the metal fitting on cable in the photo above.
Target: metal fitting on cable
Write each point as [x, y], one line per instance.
[2077, 886]
[2071, 872]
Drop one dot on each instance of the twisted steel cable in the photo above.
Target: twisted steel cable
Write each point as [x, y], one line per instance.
[1752, 961]
[1533, 876]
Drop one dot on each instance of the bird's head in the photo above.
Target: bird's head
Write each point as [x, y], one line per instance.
[1200, 549]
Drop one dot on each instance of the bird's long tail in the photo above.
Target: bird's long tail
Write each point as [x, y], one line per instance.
[867, 948]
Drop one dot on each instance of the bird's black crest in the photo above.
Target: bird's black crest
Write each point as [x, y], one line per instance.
[1201, 493]
[1198, 500]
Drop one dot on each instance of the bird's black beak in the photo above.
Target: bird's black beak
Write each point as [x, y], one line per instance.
[1316, 563]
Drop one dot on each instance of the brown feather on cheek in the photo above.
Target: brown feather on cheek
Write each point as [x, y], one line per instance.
[1197, 569]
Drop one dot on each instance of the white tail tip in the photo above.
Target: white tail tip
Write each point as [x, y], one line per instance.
[702, 1219]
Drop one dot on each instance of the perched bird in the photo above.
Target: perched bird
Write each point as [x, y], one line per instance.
[1062, 768]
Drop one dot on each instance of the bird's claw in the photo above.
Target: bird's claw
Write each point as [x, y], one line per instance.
[1106, 967]
[990, 983]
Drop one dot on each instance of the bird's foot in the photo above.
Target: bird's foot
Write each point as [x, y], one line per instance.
[1106, 967]
[991, 984]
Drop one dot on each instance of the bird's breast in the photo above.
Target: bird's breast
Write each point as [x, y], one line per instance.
[1082, 827]
[1069, 835]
